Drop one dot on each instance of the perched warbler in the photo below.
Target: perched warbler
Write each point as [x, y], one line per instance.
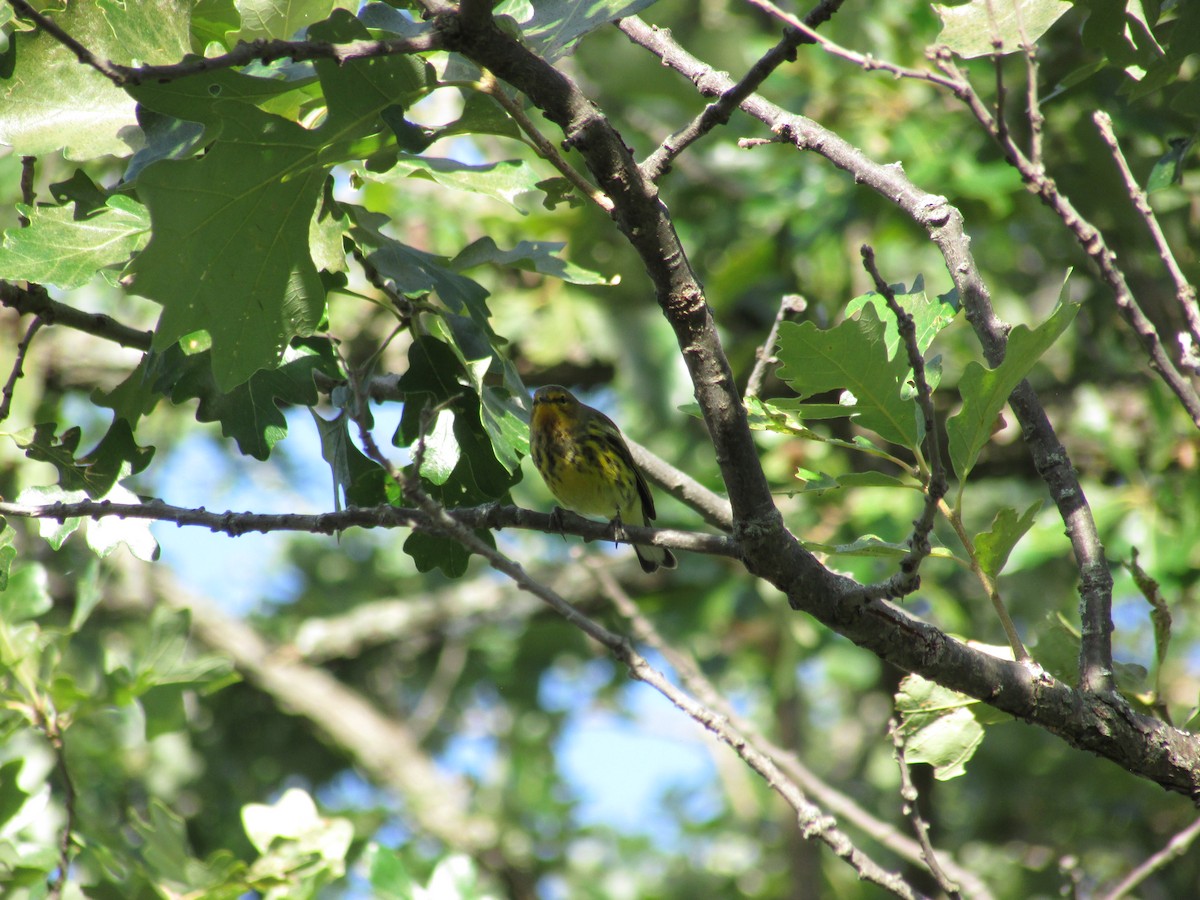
[583, 459]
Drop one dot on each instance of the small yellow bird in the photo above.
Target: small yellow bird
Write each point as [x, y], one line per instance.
[583, 459]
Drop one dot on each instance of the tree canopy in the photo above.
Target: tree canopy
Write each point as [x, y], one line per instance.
[894, 305]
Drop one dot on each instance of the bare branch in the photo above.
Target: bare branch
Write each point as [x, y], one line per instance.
[52, 727]
[908, 579]
[28, 172]
[1176, 847]
[384, 516]
[1087, 235]
[908, 793]
[34, 300]
[18, 369]
[1185, 292]
[790, 304]
[683, 487]
[718, 112]
[867, 63]
[945, 226]
[544, 147]
[694, 680]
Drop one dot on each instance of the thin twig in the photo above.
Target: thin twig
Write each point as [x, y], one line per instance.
[1033, 105]
[1001, 89]
[719, 111]
[18, 369]
[1175, 848]
[243, 54]
[490, 516]
[53, 730]
[1185, 292]
[545, 148]
[1020, 654]
[1087, 235]
[692, 676]
[764, 356]
[908, 793]
[908, 578]
[868, 63]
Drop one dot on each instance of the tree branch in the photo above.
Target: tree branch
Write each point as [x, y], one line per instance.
[385, 516]
[908, 793]
[33, 300]
[1176, 847]
[643, 219]
[945, 226]
[244, 53]
[1087, 235]
[718, 112]
[908, 579]
[692, 676]
[1142, 745]
[1185, 292]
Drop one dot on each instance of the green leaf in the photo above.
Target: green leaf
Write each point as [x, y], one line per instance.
[430, 552]
[993, 547]
[439, 449]
[929, 316]
[1169, 168]
[1119, 30]
[88, 594]
[387, 875]
[505, 180]
[116, 456]
[975, 28]
[63, 248]
[166, 138]
[244, 210]
[1160, 610]
[282, 19]
[53, 532]
[213, 21]
[53, 102]
[294, 820]
[938, 725]
[482, 114]
[530, 256]
[27, 595]
[163, 709]
[502, 409]
[356, 478]
[435, 377]
[853, 357]
[250, 413]
[550, 27]
[160, 656]
[7, 552]
[104, 535]
[820, 482]
[985, 391]
[415, 273]
[455, 878]
[12, 796]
